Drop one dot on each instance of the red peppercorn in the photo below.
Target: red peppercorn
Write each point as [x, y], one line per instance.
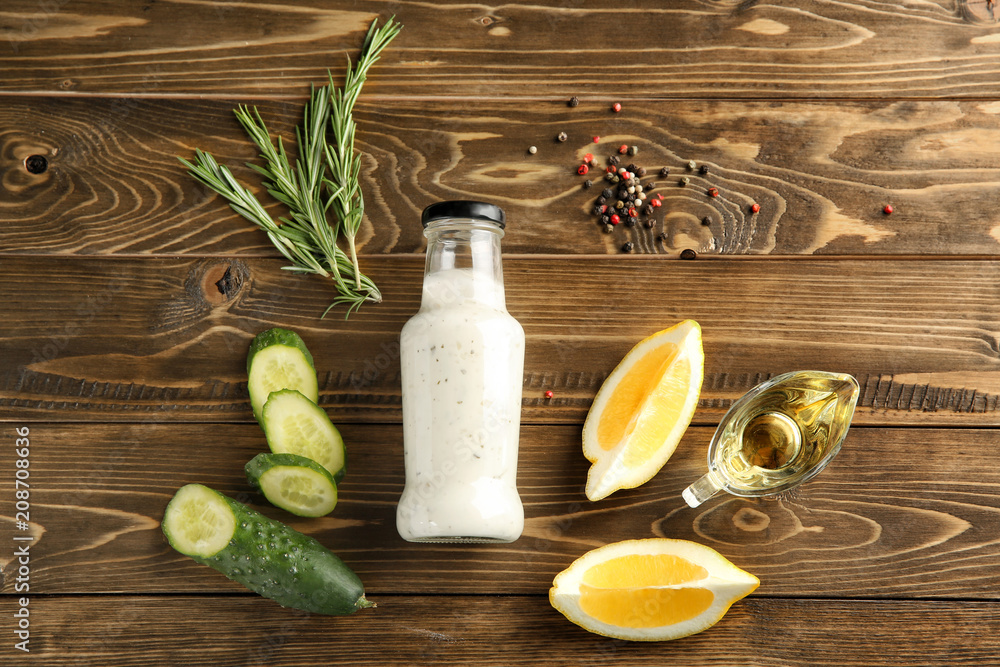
[713, 192]
[583, 169]
[623, 149]
[612, 170]
[632, 212]
[596, 139]
[616, 107]
[604, 208]
[755, 207]
[615, 219]
[548, 394]
[888, 209]
[588, 158]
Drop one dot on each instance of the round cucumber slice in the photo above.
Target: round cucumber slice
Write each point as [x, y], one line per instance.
[293, 424]
[198, 521]
[278, 359]
[293, 483]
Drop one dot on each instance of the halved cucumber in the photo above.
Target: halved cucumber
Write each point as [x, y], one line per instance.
[264, 555]
[278, 359]
[293, 483]
[293, 424]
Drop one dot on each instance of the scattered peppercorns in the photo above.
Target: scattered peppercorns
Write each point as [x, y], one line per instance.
[597, 140]
[562, 136]
[623, 149]
[633, 150]
[649, 223]
[703, 169]
[616, 107]
[549, 394]
[532, 149]
[665, 171]
[691, 165]
[628, 246]
[684, 181]
[574, 101]
[687, 253]
[755, 208]
[713, 192]
[587, 184]
[706, 221]
[582, 169]
[888, 209]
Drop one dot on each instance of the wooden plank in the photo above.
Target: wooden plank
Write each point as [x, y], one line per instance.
[159, 340]
[545, 49]
[820, 172]
[202, 631]
[899, 513]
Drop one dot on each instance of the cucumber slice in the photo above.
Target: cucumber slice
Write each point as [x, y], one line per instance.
[295, 425]
[293, 483]
[279, 359]
[264, 555]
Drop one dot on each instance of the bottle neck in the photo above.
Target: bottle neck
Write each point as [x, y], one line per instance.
[463, 264]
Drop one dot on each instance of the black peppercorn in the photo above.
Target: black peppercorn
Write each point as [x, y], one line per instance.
[632, 220]
[587, 184]
[608, 193]
[665, 171]
[605, 219]
[631, 197]
[640, 172]
[662, 236]
[562, 136]
[650, 223]
[631, 167]
[706, 221]
[613, 160]
[687, 253]
[627, 246]
[598, 210]
[574, 101]
[649, 210]
[649, 186]
[602, 200]
[703, 169]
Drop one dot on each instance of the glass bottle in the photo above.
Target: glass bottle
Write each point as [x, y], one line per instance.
[462, 363]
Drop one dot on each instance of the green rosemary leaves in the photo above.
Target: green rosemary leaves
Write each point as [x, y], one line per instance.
[325, 176]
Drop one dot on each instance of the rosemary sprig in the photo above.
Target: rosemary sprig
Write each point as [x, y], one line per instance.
[306, 237]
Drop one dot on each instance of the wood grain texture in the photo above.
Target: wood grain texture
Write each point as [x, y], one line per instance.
[414, 630]
[159, 339]
[551, 48]
[900, 513]
[821, 173]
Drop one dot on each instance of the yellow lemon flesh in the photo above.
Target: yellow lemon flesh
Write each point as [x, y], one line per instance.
[642, 409]
[649, 590]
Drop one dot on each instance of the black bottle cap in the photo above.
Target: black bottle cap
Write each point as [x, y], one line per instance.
[476, 210]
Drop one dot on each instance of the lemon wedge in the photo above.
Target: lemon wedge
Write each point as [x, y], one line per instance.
[649, 590]
[642, 409]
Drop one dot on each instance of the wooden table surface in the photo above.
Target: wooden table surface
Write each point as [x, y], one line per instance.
[129, 295]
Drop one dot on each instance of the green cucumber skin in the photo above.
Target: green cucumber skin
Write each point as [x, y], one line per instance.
[278, 336]
[281, 563]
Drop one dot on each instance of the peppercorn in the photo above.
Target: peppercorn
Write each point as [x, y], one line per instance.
[632, 150]
[623, 149]
[662, 236]
[687, 253]
[602, 200]
[605, 219]
[684, 181]
[549, 394]
[619, 205]
[616, 107]
[597, 210]
[615, 219]
[651, 185]
[713, 192]
[706, 221]
[628, 246]
[607, 193]
[574, 101]
[641, 196]
[562, 136]
[631, 221]
[613, 160]
[641, 171]
[582, 169]
[665, 171]
[649, 210]
[691, 165]
[631, 167]
[632, 212]
[614, 178]
[888, 209]
[532, 149]
[649, 223]
[608, 229]
[609, 176]
[755, 207]
[596, 139]
[703, 169]
[587, 184]
[589, 158]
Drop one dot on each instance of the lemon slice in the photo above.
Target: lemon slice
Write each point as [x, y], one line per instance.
[642, 409]
[649, 590]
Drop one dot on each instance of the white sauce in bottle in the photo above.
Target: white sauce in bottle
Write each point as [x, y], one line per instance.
[462, 361]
